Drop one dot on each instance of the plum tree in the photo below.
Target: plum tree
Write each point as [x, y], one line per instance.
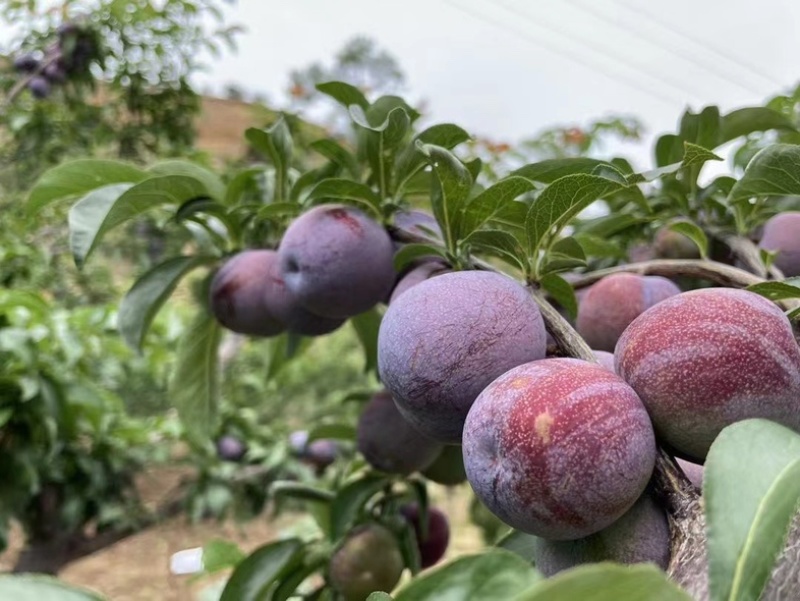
[230, 448]
[238, 298]
[445, 339]
[641, 535]
[336, 261]
[782, 235]
[448, 468]
[614, 302]
[708, 358]
[432, 543]
[368, 560]
[669, 244]
[559, 448]
[388, 442]
[417, 274]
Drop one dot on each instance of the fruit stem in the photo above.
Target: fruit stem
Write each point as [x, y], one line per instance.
[724, 275]
[567, 339]
[748, 253]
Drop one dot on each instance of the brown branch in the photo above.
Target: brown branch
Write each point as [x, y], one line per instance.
[748, 253]
[724, 275]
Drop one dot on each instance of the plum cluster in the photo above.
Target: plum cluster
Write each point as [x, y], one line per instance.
[69, 56]
[564, 449]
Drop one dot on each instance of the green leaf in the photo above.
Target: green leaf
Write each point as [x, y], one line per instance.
[751, 488]
[552, 169]
[336, 153]
[500, 244]
[76, 178]
[519, 543]
[379, 596]
[692, 231]
[214, 186]
[27, 587]
[410, 161]
[344, 93]
[366, 326]
[275, 142]
[104, 209]
[702, 128]
[253, 577]
[350, 501]
[559, 202]
[194, 385]
[668, 150]
[562, 292]
[595, 246]
[450, 195]
[220, 555]
[778, 290]
[337, 431]
[277, 210]
[774, 171]
[409, 253]
[240, 183]
[142, 302]
[488, 576]
[606, 582]
[291, 581]
[480, 209]
[348, 191]
[745, 121]
[609, 225]
[697, 155]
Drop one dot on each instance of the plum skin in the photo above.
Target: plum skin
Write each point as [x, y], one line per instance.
[433, 543]
[388, 442]
[782, 234]
[368, 560]
[611, 304]
[336, 261]
[559, 448]
[230, 448]
[708, 358]
[446, 338]
[416, 275]
[641, 535]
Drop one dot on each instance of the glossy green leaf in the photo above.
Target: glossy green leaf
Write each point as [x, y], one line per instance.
[703, 128]
[774, 171]
[751, 488]
[379, 596]
[278, 210]
[366, 326]
[500, 244]
[409, 253]
[220, 555]
[244, 180]
[76, 178]
[275, 142]
[347, 191]
[752, 119]
[692, 231]
[292, 580]
[668, 150]
[552, 169]
[595, 246]
[147, 295]
[28, 587]
[104, 209]
[350, 501]
[253, 577]
[214, 186]
[609, 225]
[562, 292]
[560, 202]
[606, 582]
[519, 543]
[296, 490]
[488, 576]
[410, 161]
[480, 209]
[453, 184]
[194, 385]
[778, 290]
[343, 93]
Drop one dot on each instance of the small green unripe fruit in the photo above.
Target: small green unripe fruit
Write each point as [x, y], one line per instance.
[368, 560]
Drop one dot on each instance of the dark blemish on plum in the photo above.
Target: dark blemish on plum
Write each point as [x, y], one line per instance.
[291, 265]
[342, 215]
[224, 295]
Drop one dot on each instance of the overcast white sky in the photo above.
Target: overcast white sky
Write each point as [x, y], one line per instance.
[508, 68]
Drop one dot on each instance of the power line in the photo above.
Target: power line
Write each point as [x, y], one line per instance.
[568, 54]
[680, 54]
[701, 43]
[600, 49]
